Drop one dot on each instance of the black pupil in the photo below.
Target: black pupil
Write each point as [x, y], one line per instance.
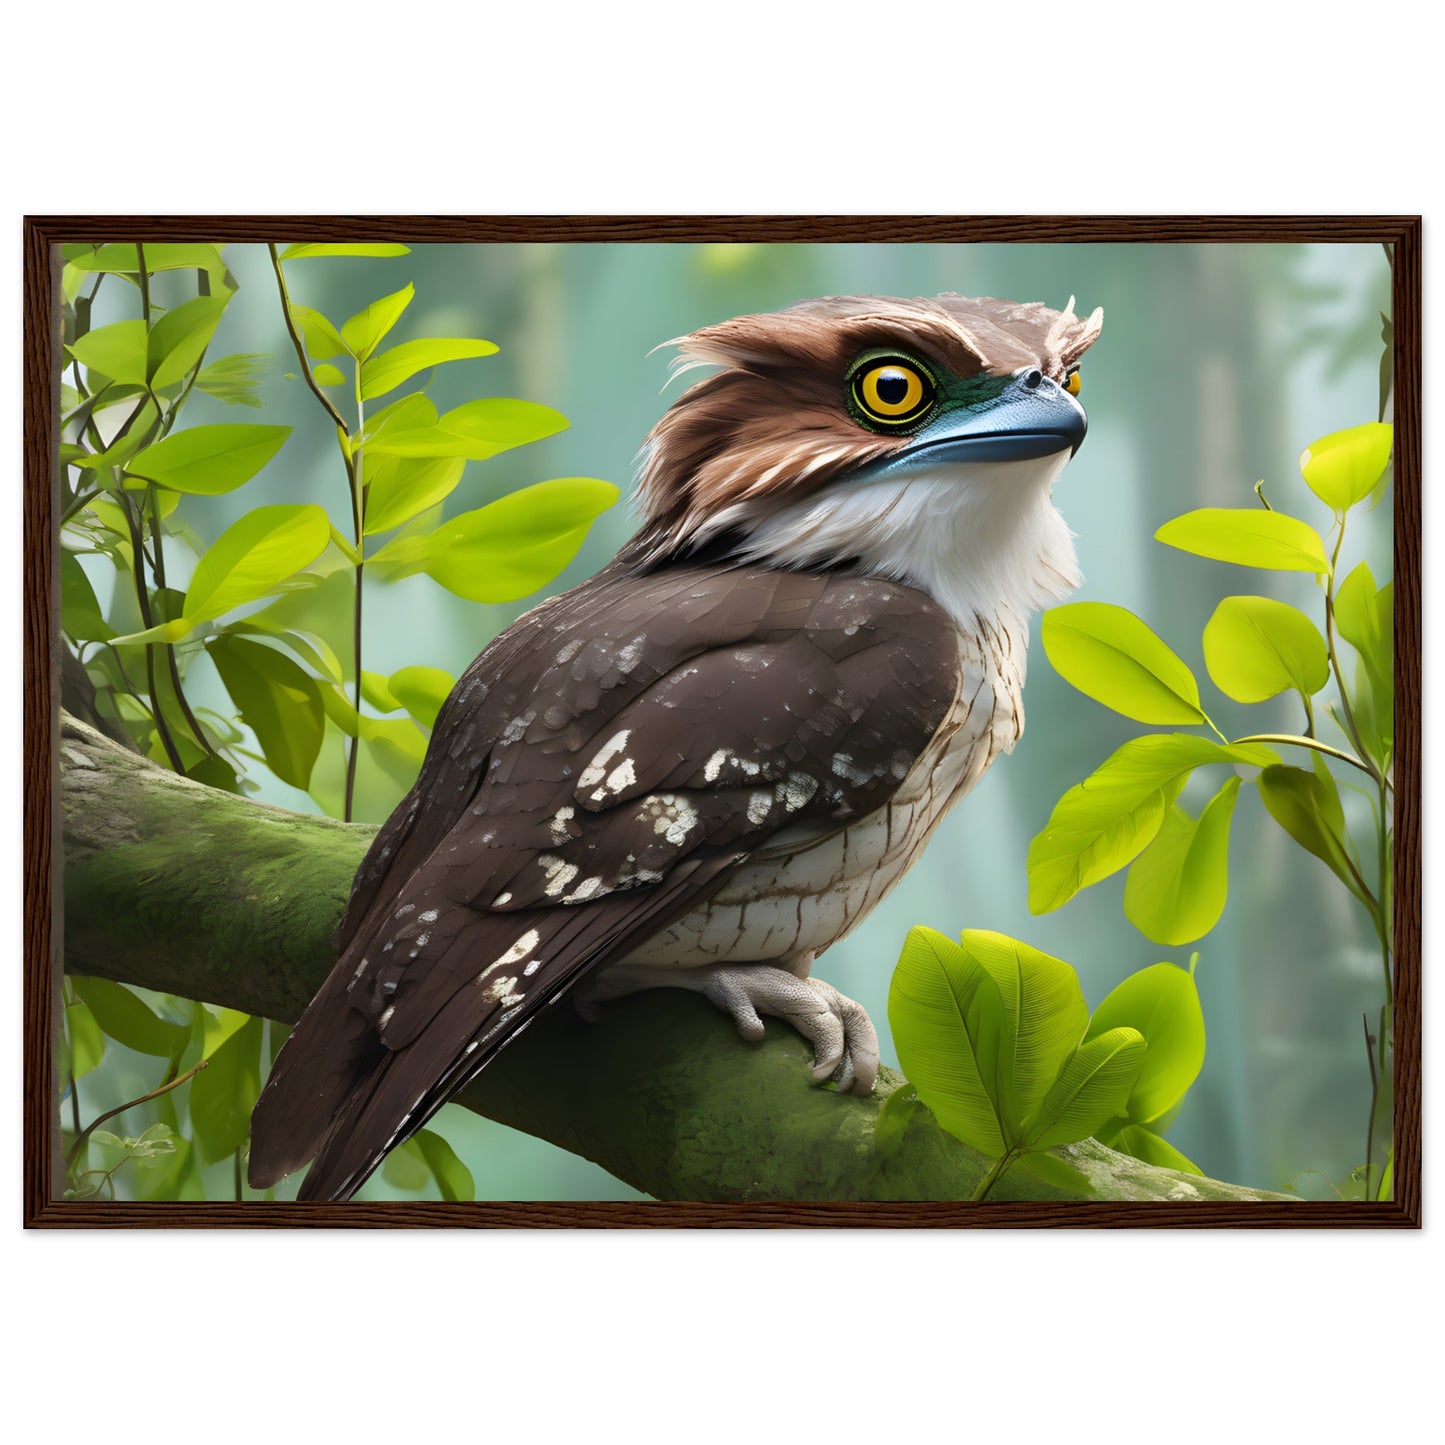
[892, 388]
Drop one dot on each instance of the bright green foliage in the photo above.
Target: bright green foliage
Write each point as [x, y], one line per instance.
[179, 339]
[1256, 648]
[996, 1039]
[117, 351]
[1248, 538]
[277, 700]
[208, 460]
[1162, 1004]
[478, 430]
[1177, 886]
[1107, 820]
[234, 379]
[254, 556]
[303, 250]
[136, 484]
[366, 329]
[1112, 657]
[1306, 808]
[421, 691]
[223, 1094]
[128, 1019]
[1341, 469]
[401, 488]
[384, 373]
[508, 548]
[1090, 1090]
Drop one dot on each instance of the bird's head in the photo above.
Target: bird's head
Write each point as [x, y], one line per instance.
[910, 438]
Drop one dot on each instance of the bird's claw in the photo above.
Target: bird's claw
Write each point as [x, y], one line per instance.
[845, 1044]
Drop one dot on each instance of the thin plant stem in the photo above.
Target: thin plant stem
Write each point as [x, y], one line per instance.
[1000, 1167]
[299, 345]
[121, 1108]
[143, 601]
[1374, 1102]
[157, 533]
[1293, 740]
[354, 474]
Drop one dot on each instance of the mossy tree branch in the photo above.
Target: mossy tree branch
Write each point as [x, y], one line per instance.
[174, 886]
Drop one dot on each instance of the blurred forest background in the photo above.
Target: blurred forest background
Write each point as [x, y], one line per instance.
[1217, 365]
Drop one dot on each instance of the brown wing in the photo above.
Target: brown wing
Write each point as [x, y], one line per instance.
[601, 769]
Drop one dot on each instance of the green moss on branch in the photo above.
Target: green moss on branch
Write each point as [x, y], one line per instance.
[178, 887]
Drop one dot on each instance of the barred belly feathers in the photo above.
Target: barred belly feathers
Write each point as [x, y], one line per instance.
[709, 762]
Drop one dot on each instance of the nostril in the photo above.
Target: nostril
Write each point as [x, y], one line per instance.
[1033, 379]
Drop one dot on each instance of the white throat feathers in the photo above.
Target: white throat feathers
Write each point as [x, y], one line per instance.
[984, 540]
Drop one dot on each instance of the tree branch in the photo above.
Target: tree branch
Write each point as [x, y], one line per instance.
[174, 886]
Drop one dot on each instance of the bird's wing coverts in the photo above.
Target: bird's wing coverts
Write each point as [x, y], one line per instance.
[600, 770]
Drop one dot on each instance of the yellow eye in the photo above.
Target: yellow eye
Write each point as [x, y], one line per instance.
[891, 392]
[1073, 383]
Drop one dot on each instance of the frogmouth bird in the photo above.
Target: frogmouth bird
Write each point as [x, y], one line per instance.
[706, 764]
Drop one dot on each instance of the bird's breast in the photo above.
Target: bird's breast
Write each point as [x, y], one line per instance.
[787, 903]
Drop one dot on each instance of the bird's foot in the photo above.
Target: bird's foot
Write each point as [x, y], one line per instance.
[845, 1044]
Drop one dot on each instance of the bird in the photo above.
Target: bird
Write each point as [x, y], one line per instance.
[708, 762]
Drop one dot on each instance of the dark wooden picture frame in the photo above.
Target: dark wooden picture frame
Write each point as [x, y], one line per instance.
[42, 892]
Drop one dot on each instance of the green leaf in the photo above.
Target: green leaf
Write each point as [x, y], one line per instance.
[1106, 821]
[381, 374]
[234, 380]
[80, 614]
[322, 339]
[404, 1168]
[477, 430]
[1092, 1088]
[310, 647]
[179, 339]
[1162, 1004]
[140, 433]
[374, 689]
[127, 1019]
[327, 375]
[1302, 806]
[364, 330]
[937, 994]
[1366, 620]
[400, 488]
[307, 249]
[1386, 1190]
[453, 1177]
[1146, 1145]
[218, 1025]
[1113, 657]
[514, 545]
[1056, 1172]
[422, 691]
[121, 259]
[1177, 886]
[1255, 648]
[87, 1042]
[1248, 538]
[253, 556]
[117, 351]
[223, 1093]
[1342, 468]
[208, 460]
[1021, 1046]
[279, 702]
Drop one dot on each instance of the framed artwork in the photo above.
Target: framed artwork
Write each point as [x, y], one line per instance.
[1153, 483]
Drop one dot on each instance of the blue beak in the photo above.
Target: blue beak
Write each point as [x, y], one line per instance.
[1031, 418]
